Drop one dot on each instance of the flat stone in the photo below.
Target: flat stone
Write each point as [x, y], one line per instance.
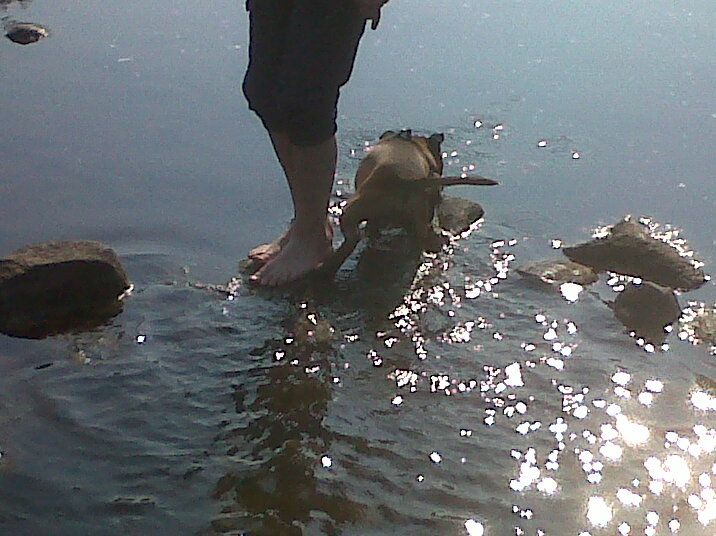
[647, 309]
[456, 214]
[556, 272]
[25, 33]
[629, 249]
[57, 287]
[229, 291]
[704, 326]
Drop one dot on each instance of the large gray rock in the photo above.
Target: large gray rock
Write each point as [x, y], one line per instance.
[59, 286]
[24, 33]
[629, 249]
[556, 272]
[647, 309]
[456, 214]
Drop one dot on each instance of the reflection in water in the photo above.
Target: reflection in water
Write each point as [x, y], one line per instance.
[286, 483]
[48, 322]
[607, 439]
[283, 484]
[608, 436]
[462, 402]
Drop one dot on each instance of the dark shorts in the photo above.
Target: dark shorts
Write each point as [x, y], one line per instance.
[300, 54]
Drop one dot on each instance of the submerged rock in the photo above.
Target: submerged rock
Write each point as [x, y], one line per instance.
[456, 214]
[311, 331]
[5, 3]
[629, 249]
[24, 33]
[704, 326]
[647, 309]
[57, 287]
[558, 272]
[706, 384]
[229, 291]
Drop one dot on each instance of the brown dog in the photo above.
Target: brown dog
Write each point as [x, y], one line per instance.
[398, 184]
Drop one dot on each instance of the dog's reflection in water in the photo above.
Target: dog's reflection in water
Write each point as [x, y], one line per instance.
[376, 280]
[393, 256]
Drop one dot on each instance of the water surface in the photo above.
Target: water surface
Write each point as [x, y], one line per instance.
[450, 390]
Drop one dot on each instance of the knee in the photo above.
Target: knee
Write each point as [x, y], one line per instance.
[312, 120]
[306, 120]
[258, 97]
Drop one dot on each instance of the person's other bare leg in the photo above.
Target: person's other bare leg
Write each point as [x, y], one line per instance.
[310, 172]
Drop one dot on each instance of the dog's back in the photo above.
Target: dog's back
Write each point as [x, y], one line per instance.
[397, 184]
[395, 159]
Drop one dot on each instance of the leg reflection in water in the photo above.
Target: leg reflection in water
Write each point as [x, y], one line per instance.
[277, 487]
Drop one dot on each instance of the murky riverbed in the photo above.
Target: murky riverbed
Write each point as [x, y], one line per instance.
[419, 395]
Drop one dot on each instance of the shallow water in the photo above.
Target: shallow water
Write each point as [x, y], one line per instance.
[442, 390]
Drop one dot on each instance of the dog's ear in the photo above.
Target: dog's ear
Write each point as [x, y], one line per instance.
[387, 135]
[434, 142]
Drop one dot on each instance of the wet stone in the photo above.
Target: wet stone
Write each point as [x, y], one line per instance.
[248, 266]
[707, 384]
[558, 272]
[704, 326]
[6, 4]
[132, 505]
[25, 33]
[629, 249]
[456, 214]
[229, 290]
[646, 309]
[309, 330]
[58, 287]
[434, 321]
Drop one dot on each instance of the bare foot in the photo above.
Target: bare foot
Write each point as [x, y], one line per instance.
[303, 253]
[263, 253]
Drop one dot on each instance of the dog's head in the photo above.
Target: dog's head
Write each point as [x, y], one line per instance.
[430, 145]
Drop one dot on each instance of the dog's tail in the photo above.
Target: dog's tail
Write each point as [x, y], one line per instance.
[474, 180]
[436, 182]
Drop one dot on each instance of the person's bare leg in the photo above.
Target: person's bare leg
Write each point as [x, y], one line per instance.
[282, 147]
[310, 172]
[284, 150]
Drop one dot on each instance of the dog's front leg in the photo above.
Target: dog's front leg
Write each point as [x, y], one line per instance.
[429, 239]
[353, 214]
[422, 213]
